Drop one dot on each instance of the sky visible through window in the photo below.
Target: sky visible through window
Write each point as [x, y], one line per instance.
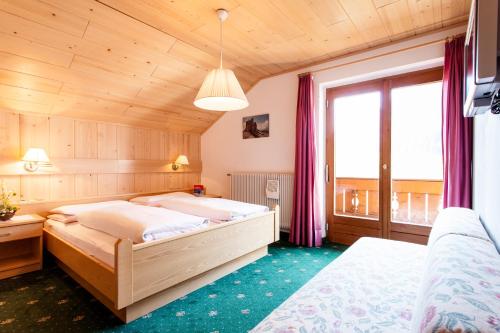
[356, 135]
[415, 131]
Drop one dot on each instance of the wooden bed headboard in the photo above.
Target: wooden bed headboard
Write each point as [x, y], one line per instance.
[43, 208]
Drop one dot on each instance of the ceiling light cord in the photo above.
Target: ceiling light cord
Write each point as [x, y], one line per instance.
[220, 42]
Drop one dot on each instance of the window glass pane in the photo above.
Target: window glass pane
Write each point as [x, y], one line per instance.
[416, 160]
[416, 132]
[356, 135]
[357, 154]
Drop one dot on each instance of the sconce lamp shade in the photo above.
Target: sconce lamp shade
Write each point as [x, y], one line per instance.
[36, 155]
[34, 158]
[221, 91]
[182, 160]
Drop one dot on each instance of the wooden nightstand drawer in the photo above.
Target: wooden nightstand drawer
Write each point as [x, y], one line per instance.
[20, 232]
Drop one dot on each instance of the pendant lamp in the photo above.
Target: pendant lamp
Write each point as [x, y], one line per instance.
[221, 90]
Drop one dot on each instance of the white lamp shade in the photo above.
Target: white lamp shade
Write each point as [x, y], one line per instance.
[221, 91]
[36, 155]
[182, 160]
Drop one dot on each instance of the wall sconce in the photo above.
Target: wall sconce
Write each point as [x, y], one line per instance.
[34, 158]
[181, 160]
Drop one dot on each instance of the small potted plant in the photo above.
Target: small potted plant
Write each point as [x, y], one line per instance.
[7, 209]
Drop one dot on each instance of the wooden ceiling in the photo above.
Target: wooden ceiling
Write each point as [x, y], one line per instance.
[141, 62]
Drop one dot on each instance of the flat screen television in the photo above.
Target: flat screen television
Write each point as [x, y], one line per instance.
[482, 62]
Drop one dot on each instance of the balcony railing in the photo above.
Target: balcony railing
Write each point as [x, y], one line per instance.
[412, 201]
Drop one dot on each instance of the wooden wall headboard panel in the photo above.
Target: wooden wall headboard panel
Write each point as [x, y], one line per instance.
[93, 159]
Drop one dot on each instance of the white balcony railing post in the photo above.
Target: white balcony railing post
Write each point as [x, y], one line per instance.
[409, 206]
[426, 208]
[395, 205]
[366, 203]
[343, 200]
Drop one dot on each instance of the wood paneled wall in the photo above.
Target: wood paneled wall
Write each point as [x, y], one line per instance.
[92, 159]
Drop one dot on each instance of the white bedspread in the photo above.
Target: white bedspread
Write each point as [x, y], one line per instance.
[140, 223]
[215, 209]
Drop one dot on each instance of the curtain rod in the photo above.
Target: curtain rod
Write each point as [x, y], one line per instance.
[304, 74]
[438, 41]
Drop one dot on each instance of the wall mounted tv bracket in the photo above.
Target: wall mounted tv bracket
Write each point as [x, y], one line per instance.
[495, 102]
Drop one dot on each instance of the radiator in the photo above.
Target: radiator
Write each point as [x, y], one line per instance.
[251, 188]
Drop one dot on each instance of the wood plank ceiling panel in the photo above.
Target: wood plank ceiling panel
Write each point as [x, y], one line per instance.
[140, 62]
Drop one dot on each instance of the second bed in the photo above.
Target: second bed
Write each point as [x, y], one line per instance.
[216, 210]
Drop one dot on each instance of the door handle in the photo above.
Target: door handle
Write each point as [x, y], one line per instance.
[327, 173]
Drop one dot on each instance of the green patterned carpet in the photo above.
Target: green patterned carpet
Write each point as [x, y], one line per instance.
[50, 301]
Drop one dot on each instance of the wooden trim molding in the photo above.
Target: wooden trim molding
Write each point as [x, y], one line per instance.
[95, 166]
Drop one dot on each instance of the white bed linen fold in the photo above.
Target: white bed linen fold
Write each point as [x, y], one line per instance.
[215, 209]
[80, 208]
[140, 223]
[93, 242]
[151, 199]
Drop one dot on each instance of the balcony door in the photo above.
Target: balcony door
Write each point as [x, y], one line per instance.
[384, 167]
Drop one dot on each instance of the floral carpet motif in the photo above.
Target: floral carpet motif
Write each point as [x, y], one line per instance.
[50, 301]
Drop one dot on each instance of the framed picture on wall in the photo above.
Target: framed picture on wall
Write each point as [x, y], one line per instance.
[256, 126]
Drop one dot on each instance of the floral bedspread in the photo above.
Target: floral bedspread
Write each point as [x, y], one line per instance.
[371, 287]
[460, 290]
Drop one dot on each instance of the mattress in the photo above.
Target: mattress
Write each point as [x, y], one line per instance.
[92, 242]
[371, 287]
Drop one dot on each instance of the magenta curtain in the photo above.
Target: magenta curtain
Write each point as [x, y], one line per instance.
[305, 228]
[457, 130]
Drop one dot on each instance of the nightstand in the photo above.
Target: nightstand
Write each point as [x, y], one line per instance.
[21, 244]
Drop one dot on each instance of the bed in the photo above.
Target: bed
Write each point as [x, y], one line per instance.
[217, 210]
[387, 286]
[141, 277]
[367, 289]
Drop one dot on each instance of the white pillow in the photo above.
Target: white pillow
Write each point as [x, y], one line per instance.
[155, 198]
[457, 221]
[77, 209]
[63, 218]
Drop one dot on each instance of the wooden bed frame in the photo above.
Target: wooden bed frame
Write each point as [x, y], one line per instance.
[149, 275]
